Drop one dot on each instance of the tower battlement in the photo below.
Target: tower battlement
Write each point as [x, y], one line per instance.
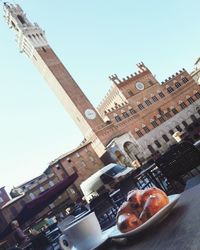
[28, 36]
[142, 68]
[172, 77]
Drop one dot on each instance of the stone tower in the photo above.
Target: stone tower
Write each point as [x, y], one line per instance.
[31, 40]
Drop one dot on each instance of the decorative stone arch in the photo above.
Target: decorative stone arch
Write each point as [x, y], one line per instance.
[130, 148]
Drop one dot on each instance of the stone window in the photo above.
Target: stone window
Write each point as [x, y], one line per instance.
[140, 106]
[148, 102]
[157, 143]
[179, 128]
[174, 110]
[190, 100]
[183, 105]
[21, 19]
[197, 95]
[170, 89]
[130, 93]
[178, 85]
[161, 119]
[168, 115]
[132, 111]
[44, 49]
[154, 123]
[185, 124]
[146, 129]
[125, 114]
[184, 79]
[171, 131]
[138, 132]
[154, 98]
[151, 149]
[161, 94]
[165, 137]
[193, 118]
[118, 118]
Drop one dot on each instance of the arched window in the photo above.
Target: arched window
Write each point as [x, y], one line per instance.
[146, 129]
[21, 19]
[184, 79]
[148, 102]
[161, 119]
[197, 95]
[118, 118]
[154, 123]
[185, 124]
[174, 110]
[132, 111]
[178, 85]
[125, 114]
[130, 93]
[140, 106]
[179, 128]
[138, 132]
[161, 94]
[165, 137]
[151, 149]
[190, 100]
[154, 98]
[182, 105]
[170, 89]
[157, 143]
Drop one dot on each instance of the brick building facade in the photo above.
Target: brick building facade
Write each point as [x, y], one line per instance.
[136, 119]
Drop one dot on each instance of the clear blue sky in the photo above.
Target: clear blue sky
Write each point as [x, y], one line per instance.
[94, 39]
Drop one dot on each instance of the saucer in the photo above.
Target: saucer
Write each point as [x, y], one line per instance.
[100, 242]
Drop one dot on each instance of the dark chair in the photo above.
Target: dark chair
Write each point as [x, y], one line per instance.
[126, 185]
[179, 163]
[117, 198]
[105, 210]
[40, 242]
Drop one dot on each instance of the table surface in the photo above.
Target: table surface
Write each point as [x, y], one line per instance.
[180, 230]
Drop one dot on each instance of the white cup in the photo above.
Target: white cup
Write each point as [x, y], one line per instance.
[84, 234]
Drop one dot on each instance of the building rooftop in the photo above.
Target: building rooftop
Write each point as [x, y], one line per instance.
[12, 200]
[68, 153]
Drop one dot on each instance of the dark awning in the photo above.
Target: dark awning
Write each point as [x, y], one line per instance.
[35, 206]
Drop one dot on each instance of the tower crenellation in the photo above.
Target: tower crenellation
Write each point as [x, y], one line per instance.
[142, 69]
[28, 36]
[174, 76]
